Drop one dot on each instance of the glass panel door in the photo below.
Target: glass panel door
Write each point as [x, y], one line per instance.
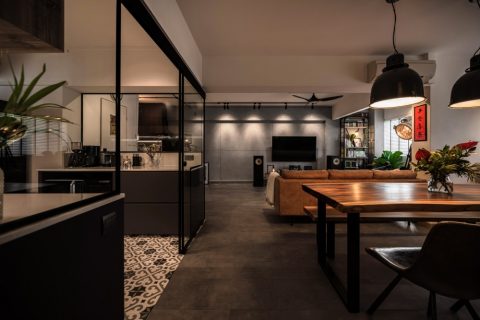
[193, 171]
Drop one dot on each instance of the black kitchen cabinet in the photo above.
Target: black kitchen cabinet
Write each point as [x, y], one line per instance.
[151, 202]
[75, 181]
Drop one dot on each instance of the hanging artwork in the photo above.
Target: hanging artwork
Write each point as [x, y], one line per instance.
[420, 123]
[113, 125]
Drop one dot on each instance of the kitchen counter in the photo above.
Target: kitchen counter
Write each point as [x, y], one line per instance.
[80, 169]
[111, 169]
[26, 205]
[54, 261]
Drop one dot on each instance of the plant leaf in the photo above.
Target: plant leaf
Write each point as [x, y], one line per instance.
[32, 85]
[44, 106]
[41, 94]
[17, 91]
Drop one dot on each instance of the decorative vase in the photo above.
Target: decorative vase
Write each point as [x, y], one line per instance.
[442, 185]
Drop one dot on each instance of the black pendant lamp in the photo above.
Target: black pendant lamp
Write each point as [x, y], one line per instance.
[398, 85]
[466, 91]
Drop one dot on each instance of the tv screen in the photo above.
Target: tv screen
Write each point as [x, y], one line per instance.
[301, 149]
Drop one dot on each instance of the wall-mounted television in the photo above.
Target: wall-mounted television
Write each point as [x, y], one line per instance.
[289, 148]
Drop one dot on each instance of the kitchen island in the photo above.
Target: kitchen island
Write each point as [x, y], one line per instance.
[151, 193]
[54, 263]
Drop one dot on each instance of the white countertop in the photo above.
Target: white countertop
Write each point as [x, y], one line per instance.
[111, 169]
[20, 205]
[16, 206]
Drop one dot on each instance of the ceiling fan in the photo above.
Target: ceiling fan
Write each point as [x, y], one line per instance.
[314, 98]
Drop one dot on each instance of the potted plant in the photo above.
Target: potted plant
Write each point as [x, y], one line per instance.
[23, 103]
[389, 160]
[441, 163]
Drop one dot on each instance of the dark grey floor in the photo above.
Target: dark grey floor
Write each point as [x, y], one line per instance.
[249, 264]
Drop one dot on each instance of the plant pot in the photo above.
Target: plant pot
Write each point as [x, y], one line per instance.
[441, 185]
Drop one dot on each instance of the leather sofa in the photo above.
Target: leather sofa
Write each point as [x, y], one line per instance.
[289, 198]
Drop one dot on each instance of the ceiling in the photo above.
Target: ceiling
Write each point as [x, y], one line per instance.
[326, 27]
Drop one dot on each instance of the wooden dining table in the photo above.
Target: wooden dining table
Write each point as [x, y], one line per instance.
[357, 198]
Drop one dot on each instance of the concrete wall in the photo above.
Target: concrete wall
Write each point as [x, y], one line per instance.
[234, 136]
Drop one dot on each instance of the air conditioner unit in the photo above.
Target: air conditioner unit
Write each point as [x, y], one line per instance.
[425, 68]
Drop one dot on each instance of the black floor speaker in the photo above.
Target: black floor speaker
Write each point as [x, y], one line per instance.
[334, 162]
[258, 171]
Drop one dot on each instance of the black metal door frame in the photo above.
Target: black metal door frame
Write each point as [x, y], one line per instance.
[144, 17]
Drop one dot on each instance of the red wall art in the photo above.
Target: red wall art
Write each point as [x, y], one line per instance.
[420, 123]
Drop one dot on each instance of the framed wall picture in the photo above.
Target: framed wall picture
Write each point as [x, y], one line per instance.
[420, 123]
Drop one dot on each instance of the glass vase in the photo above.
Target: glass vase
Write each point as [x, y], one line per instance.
[442, 185]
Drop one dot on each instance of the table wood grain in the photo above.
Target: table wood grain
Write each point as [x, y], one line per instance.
[358, 197]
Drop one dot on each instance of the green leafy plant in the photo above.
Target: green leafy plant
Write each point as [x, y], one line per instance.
[24, 103]
[448, 160]
[389, 159]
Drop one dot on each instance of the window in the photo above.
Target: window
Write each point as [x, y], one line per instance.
[47, 136]
[390, 139]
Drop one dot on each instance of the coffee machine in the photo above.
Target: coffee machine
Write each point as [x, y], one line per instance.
[76, 158]
[92, 155]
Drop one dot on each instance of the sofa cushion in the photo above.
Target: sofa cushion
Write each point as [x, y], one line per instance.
[305, 174]
[394, 174]
[350, 174]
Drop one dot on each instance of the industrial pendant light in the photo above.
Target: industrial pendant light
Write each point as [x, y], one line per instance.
[466, 91]
[398, 85]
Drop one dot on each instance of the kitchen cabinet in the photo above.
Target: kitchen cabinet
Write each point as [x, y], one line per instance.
[151, 202]
[76, 181]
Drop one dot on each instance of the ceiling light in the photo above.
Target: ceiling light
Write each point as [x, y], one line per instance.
[466, 91]
[398, 85]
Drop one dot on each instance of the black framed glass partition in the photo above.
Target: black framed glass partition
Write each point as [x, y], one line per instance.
[192, 213]
[46, 168]
[162, 144]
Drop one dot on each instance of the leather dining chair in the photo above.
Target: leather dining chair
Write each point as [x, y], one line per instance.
[448, 264]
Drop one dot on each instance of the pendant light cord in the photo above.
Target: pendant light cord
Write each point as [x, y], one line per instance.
[395, 26]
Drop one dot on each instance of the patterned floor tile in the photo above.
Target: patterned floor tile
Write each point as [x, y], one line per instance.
[150, 262]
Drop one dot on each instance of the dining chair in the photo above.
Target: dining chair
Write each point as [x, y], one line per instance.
[448, 264]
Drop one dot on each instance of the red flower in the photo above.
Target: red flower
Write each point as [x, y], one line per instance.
[422, 154]
[467, 145]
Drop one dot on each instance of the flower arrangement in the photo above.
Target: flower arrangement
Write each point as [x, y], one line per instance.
[24, 103]
[439, 164]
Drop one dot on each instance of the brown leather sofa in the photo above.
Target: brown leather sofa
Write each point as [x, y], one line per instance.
[289, 198]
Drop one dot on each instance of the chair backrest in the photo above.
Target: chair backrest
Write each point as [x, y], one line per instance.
[449, 262]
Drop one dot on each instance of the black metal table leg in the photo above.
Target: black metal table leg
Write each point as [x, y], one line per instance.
[350, 294]
[321, 232]
[331, 240]
[353, 262]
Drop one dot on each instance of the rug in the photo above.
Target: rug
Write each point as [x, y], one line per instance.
[150, 262]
